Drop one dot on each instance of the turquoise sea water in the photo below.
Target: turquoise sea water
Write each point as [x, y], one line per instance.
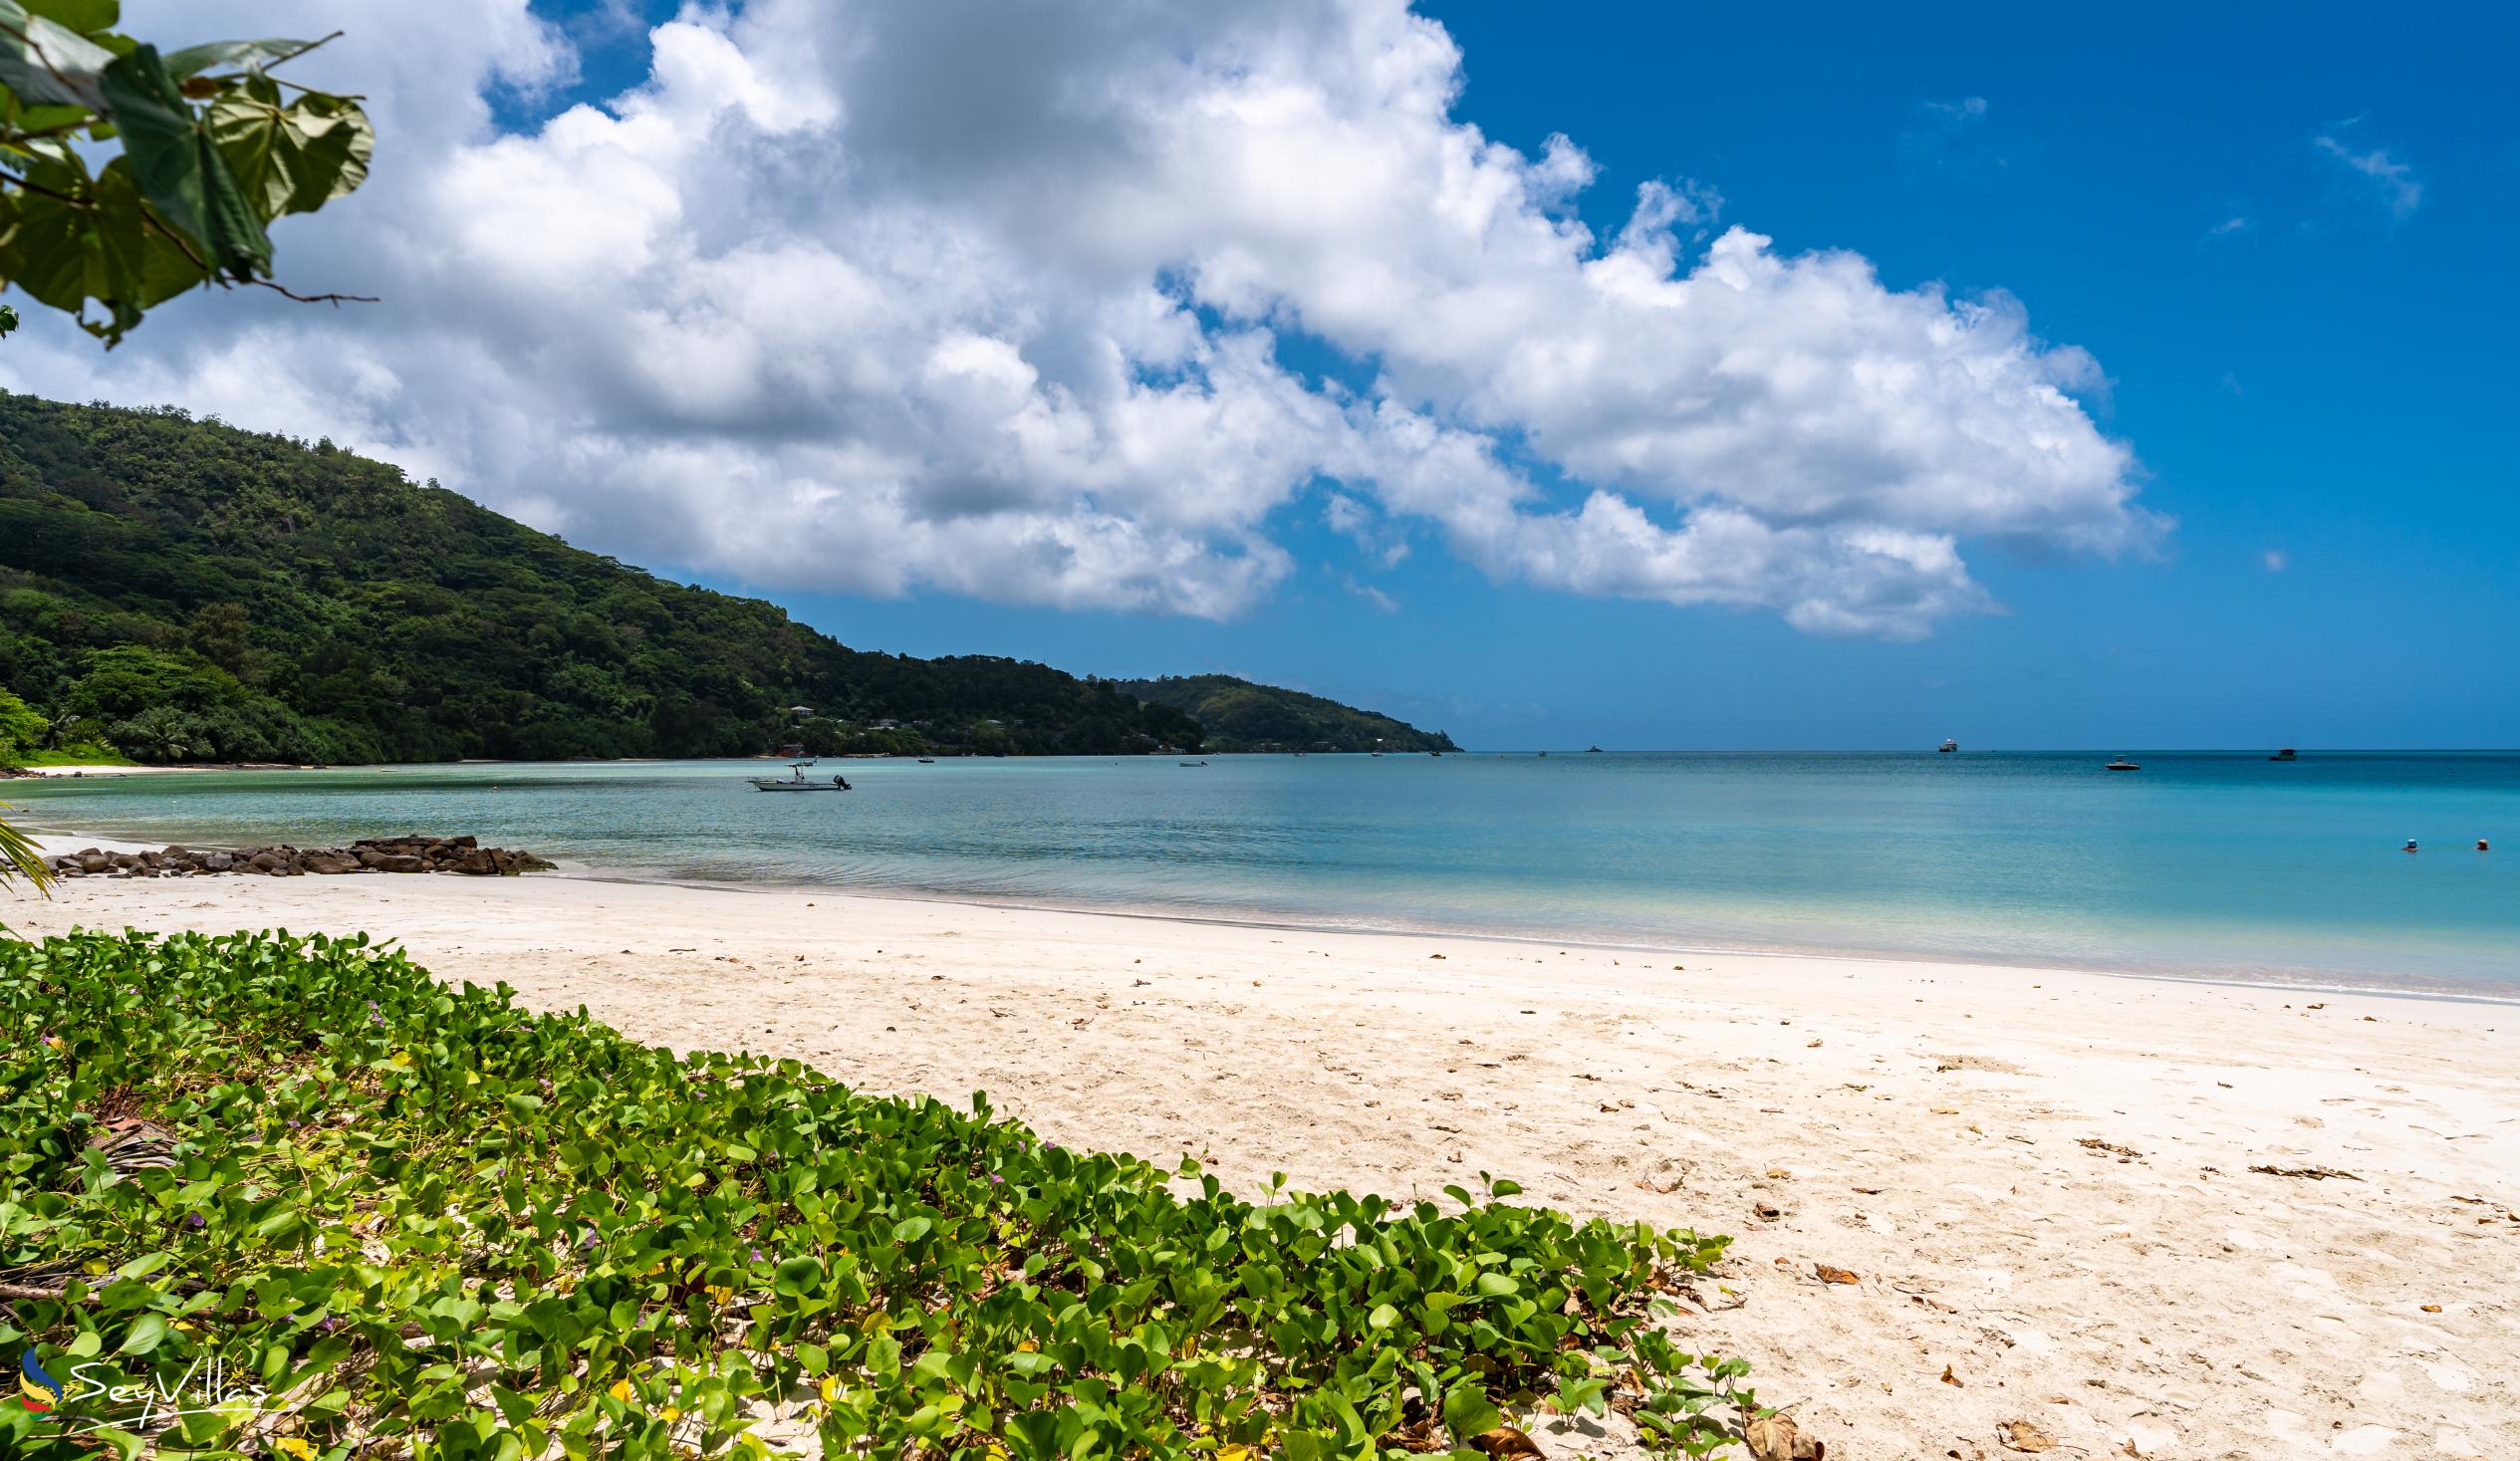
[2222, 864]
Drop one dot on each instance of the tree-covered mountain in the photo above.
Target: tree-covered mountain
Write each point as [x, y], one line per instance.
[184, 591]
[1241, 717]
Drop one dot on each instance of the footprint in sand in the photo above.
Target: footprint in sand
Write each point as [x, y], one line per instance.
[2028, 1341]
[2365, 1440]
[2307, 1283]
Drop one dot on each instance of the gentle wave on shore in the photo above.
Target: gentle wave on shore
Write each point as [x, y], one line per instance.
[2223, 865]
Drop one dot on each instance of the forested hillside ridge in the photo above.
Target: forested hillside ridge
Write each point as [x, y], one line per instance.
[1241, 717]
[182, 591]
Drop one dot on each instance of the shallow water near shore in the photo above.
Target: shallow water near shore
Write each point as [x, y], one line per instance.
[2207, 864]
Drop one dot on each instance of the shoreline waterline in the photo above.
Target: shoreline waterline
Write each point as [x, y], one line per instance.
[54, 841]
[2225, 868]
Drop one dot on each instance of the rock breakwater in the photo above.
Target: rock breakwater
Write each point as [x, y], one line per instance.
[413, 854]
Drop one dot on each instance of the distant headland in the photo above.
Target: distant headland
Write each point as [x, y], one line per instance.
[181, 590]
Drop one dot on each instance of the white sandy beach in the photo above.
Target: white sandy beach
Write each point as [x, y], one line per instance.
[2040, 1179]
[101, 769]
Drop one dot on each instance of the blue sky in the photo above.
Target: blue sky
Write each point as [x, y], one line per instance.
[2330, 382]
[808, 303]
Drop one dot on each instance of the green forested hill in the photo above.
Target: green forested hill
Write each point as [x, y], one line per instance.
[1241, 717]
[185, 590]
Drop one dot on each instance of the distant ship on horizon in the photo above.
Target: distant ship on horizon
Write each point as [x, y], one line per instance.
[1949, 744]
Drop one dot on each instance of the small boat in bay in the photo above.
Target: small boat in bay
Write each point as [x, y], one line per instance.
[1194, 763]
[2286, 754]
[2122, 764]
[797, 781]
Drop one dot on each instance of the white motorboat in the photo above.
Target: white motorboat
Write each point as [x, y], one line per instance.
[797, 781]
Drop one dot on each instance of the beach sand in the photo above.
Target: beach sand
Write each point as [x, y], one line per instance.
[2041, 1181]
[103, 770]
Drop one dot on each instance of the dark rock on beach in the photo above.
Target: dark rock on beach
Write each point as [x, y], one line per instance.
[411, 853]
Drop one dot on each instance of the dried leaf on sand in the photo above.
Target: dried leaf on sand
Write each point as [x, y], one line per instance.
[1505, 1441]
[1778, 1438]
[2021, 1435]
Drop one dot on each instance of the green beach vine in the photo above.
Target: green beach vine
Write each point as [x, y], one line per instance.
[363, 1214]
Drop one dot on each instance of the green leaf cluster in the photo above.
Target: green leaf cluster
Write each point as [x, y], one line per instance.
[426, 1222]
[211, 152]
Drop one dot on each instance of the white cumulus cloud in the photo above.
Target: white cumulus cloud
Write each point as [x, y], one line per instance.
[876, 297]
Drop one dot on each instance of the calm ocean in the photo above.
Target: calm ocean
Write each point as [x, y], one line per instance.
[2223, 865]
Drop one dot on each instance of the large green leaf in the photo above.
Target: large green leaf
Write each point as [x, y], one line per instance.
[179, 170]
[1467, 1412]
[141, 266]
[33, 120]
[48, 64]
[44, 249]
[293, 159]
[84, 16]
[65, 253]
[191, 61]
[147, 1333]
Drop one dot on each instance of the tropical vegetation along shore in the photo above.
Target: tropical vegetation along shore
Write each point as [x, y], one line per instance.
[403, 1214]
[2043, 1183]
[177, 590]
